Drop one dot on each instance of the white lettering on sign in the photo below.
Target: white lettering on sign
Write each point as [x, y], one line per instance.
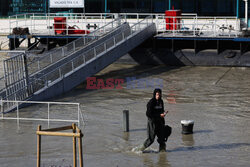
[66, 4]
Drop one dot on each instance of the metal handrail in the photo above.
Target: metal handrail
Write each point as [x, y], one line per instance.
[44, 78]
[159, 17]
[71, 52]
[213, 25]
[92, 35]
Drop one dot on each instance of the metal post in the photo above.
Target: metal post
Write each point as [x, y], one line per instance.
[125, 120]
[48, 115]
[60, 73]
[94, 52]
[246, 12]
[237, 9]
[106, 5]
[74, 46]
[2, 107]
[17, 114]
[9, 24]
[51, 58]
[78, 108]
[38, 65]
[123, 36]
[72, 65]
[169, 4]
[62, 52]
[105, 47]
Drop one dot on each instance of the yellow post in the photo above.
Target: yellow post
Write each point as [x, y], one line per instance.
[74, 146]
[80, 147]
[38, 147]
[53, 132]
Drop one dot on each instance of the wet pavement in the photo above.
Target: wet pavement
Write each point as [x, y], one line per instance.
[216, 98]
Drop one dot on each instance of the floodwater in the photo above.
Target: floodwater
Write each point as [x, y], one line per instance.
[216, 98]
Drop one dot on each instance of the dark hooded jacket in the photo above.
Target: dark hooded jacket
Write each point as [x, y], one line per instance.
[155, 108]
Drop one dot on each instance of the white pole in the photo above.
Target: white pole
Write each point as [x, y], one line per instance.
[78, 108]
[48, 114]
[246, 12]
[2, 107]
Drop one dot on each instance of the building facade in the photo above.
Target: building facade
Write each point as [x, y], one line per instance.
[201, 7]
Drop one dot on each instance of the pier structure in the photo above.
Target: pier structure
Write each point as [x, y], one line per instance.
[61, 69]
[29, 76]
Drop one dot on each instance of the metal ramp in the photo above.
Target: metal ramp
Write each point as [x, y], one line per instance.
[70, 65]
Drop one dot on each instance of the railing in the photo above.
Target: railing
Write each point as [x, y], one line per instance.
[46, 60]
[199, 26]
[46, 80]
[74, 116]
[190, 23]
[4, 44]
[43, 23]
[76, 134]
[60, 53]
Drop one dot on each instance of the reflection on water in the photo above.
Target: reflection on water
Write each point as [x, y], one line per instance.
[126, 136]
[188, 140]
[161, 160]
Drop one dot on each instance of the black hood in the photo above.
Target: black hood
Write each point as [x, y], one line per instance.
[155, 91]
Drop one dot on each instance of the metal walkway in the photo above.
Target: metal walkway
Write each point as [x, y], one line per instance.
[70, 65]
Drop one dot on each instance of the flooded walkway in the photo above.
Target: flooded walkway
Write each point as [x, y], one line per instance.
[216, 98]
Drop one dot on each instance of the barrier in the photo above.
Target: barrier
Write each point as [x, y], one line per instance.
[76, 133]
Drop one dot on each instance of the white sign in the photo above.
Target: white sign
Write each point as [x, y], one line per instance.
[66, 4]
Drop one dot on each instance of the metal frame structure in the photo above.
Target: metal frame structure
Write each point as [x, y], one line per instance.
[17, 103]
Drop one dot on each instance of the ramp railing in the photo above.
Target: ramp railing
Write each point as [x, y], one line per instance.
[41, 62]
[50, 78]
[62, 52]
[36, 84]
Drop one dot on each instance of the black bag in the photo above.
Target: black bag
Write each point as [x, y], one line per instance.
[167, 132]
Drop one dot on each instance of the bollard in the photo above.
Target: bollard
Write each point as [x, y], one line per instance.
[187, 126]
[125, 120]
